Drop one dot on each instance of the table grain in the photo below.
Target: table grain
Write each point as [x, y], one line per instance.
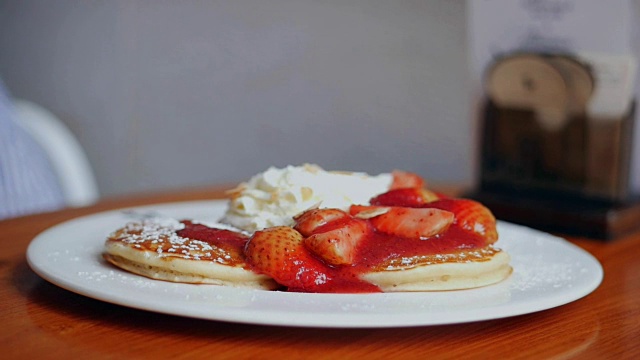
[42, 321]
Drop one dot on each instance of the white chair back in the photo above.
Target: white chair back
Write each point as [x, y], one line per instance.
[67, 156]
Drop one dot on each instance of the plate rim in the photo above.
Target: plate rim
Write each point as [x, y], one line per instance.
[306, 320]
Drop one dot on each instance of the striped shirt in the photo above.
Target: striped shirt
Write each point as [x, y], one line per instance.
[28, 183]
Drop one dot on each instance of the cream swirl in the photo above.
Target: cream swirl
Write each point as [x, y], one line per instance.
[274, 196]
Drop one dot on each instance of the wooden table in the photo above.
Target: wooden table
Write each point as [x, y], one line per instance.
[40, 320]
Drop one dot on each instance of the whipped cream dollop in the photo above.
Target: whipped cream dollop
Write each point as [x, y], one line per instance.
[275, 196]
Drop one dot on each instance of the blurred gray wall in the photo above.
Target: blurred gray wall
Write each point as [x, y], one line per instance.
[169, 94]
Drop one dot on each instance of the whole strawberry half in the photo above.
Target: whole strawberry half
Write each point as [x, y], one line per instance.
[279, 252]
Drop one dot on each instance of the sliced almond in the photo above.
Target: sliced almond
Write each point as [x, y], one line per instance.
[307, 193]
[368, 214]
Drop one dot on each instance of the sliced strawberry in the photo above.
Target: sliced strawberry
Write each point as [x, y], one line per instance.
[409, 197]
[403, 179]
[338, 245]
[309, 221]
[417, 223]
[279, 252]
[471, 216]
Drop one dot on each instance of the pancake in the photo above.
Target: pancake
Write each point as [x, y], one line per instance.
[404, 238]
[453, 271]
[159, 249]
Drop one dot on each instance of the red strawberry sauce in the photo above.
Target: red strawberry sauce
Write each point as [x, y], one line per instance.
[218, 237]
[378, 249]
[373, 253]
[230, 242]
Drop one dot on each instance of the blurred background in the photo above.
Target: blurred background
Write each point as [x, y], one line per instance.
[168, 94]
[523, 100]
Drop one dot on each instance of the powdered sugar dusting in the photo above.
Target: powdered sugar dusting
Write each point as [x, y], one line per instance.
[541, 264]
[152, 229]
[160, 236]
[550, 276]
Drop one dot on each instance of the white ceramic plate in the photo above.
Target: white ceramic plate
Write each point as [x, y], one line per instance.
[548, 272]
